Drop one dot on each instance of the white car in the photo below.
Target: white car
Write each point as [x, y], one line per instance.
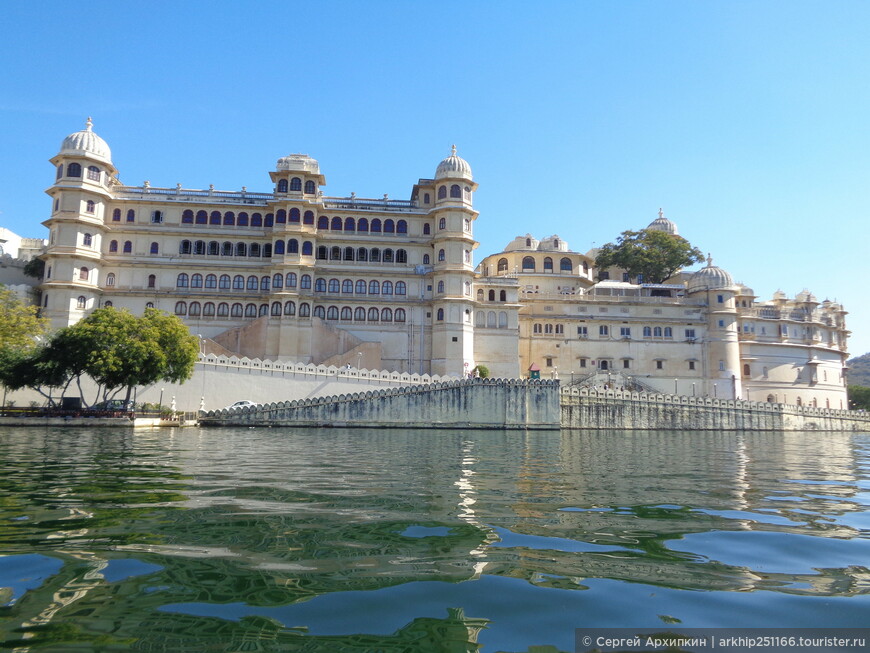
[242, 404]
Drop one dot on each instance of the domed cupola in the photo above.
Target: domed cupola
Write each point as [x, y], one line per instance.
[453, 167]
[661, 223]
[86, 143]
[709, 278]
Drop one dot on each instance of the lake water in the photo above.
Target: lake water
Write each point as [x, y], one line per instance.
[340, 540]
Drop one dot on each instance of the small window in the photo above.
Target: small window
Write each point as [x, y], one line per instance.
[442, 223]
[626, 363]
[282, 185]
[691, 365]
[93, 173]
[456, 191]
[660, 365]
[116, 215]
[110, 279]
[81, 302]
[157, 217]
[87, 240]
[296, 183]
[155, 248]
[442, 192]
[74, 170]
[128, 246]
[441, 255]
[603, 330]
[196, 281]
[181, 308]
[152, 281]
[90, 206]
[440, 313]
[84, 273]
[131, 215]
[309, 187]
[426, 229]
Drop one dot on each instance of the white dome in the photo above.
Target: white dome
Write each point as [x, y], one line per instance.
[709, 278]
[87, 143]
[523, 243]
[553, 244]
[452, 167]
[661, 223]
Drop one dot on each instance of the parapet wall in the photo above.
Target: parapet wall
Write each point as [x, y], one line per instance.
[609, 409]
[466, 403]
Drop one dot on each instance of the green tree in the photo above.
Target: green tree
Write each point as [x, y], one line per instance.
[20, 325]
[859, 397]
[35, 268]
[657, 255]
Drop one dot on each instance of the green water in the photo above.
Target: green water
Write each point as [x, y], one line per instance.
[337, 540]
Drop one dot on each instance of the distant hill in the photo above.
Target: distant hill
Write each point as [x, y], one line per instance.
[859, 370]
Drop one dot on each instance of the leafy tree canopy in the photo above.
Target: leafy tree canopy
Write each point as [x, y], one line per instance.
[657, 255]
[20, 324]
[859, 397]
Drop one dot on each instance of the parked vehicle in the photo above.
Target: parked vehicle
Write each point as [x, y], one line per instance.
[244, 403]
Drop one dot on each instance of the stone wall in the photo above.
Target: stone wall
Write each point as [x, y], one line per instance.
[598, 409]
[467, 403]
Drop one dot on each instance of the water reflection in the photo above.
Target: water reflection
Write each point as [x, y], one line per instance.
[270, 539]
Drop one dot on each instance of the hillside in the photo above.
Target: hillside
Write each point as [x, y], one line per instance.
[859, 370]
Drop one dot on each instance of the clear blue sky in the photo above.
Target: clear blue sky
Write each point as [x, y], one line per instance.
[746, 121]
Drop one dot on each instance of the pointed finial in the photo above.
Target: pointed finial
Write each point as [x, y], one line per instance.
[661, 213]
[709, 260]
[89, 124]
[453, 151]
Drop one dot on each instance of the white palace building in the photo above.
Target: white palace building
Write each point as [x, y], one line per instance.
[295, 275]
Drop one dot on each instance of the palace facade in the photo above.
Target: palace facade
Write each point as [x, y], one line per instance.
[293, 274]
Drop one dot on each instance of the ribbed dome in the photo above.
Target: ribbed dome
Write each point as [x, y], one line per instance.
[452, 167]
[87, 143]
[709, 278]
[661, 223]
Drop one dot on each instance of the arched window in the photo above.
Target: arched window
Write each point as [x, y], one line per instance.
[93, 173]
[113, 246]
[243, 222]
[241, 249]
[186, 217]
[400, 315]
[229, 218]
[304, 310]
[427, 230]
[250, 310]
[548, 264]
[211, 281]
[442, 223]
[657, 332]
[227, 249]
[282, 185]
[181, 308]
[289, 308]
[155, 248]
[182, 280]
[309, 187]
[264, 283]
[87, 240]
[59, 172]
[184, 247]
[214, 218]
[348, 253]
[335, 225]
[323, 223]
[237, 310]
[238, 282]
[199, 247]
[528, 263]
[442, 192]
[360, 287]
[281, 216]
[386, 315]
[387, 288]
[335, 254]
[201, 217]
[320, 312]
[374, 287]
[440, 315]
[441, 255]
[347, 287]
[128, 246]
[647, 332]
[267, 250]
[81, 302]
[305, 282]
[468, 288]
[292, 246]
[90, 207]
[565, 265]
[277, 280]
[74, 170]
[254, 250]
[291, 279]
[308, 217]
[373, 315]
[375, 255]
[213, 248]
[208, 309]
[196, 280]
[359, 314]
[116, 215]
[320, 285]
[389, 226]
[480, 294]
[425, 259]
[401, 256]
[402, 227]
[264, 309]
[253, 283]
[110, 279]
[147, 304]
[376, 226]
[440, 286]
[276, 309]
[223, 309]
[400, 287]
[296, 183]
[333, 285]
[224, 282]
[467, 256]
[349, 224]
[466, 224]
[669, 333]
[332, 313]
[256, 220]
[502, 296]
[362, 224]
[279, 247]
[84, 273]
[362, 254]
[195, 309]
[268, 222]
[491, 296]
[490, 322]
[294, 215]
[307, 248]
[502, 265]
[455, 191]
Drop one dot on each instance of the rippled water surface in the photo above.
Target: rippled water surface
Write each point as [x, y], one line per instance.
[339, 540]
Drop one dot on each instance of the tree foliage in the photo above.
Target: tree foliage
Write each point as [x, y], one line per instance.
[115, 348]
[859, 397]
[657, 255]
[35, 268]
[20, 325]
